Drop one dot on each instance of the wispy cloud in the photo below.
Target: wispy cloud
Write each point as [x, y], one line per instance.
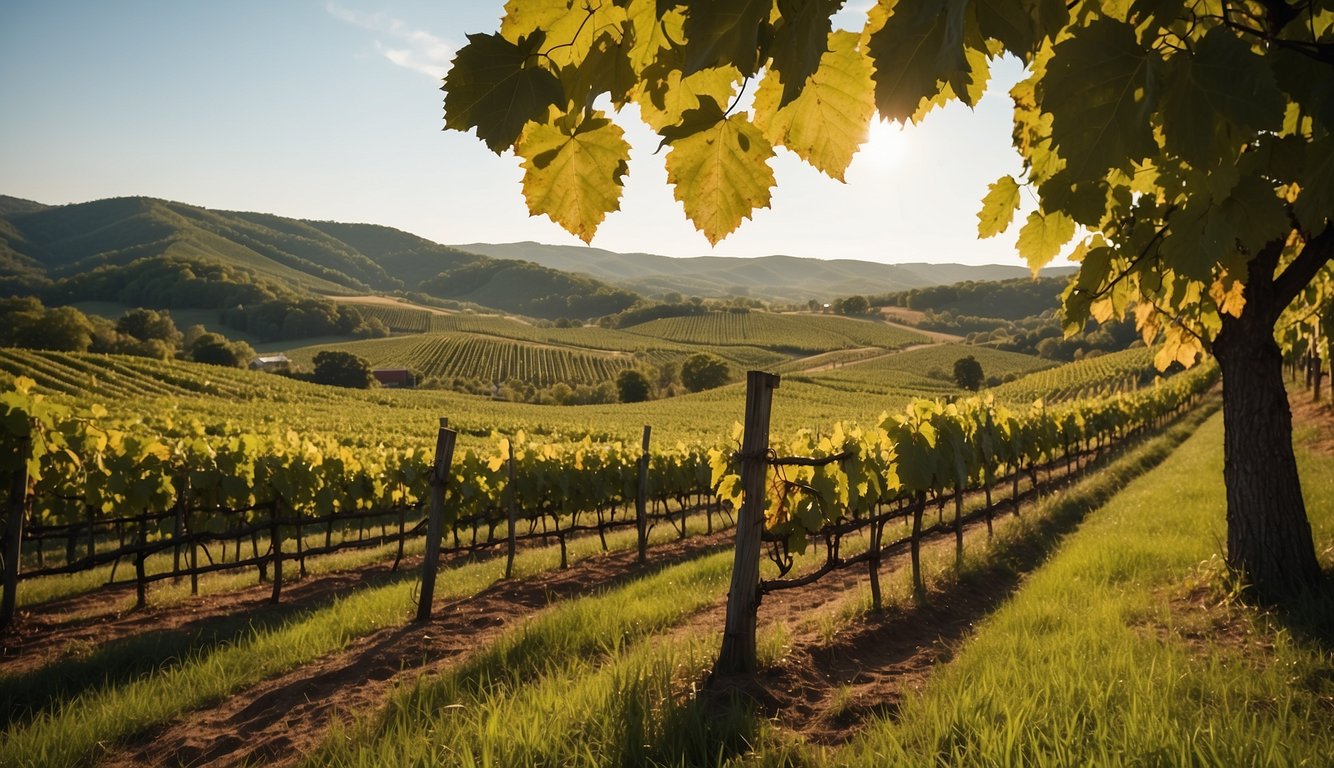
[400, 42]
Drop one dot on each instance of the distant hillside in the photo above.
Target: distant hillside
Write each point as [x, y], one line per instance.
[781, 278]
[97, 251]
[10, 205]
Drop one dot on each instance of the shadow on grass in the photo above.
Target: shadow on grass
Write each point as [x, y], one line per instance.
[126, 659]
[896, 639]
[1310, 617]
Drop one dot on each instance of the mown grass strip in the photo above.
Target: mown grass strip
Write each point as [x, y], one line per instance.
[419, 724]
[72, 732]
[1106, 658]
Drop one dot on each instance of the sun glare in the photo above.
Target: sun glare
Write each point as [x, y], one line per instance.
[885, 144]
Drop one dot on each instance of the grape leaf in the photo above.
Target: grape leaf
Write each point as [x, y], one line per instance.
[1256, 212]
[919, 47]
[574, 177]
[666, 106]
[721, 173]
[1316, 200]
[1216, 97]
[571, 28]
[1042, 236]
[496, 86]
[998, 207]
[800, 41]
[654, 33]
[725, 32]
[1099, 90]
[826, 124]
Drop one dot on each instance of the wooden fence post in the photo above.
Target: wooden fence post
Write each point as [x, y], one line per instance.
[641, 498]
[18, 502]
[737, 655]
[140, 585]
[276, 544]
[444, 455]
[513, 516]
[918, 584]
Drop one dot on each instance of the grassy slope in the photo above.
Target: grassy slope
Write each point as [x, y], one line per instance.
[1119, 650]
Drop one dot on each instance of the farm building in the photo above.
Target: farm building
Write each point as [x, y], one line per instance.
[277, 362]
[394, 377]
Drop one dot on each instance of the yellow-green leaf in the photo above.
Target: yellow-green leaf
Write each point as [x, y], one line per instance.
[1042, 237]
[827, 123]
[574, 177]
[998, 207]
[721, 174]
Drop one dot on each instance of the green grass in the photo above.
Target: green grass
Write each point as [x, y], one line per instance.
[496, 708]
[119, 694]
[1106, 657]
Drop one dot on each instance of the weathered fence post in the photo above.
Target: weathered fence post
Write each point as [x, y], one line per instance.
[444, 455]
[873, 563]
[641, 498]
[18, 502]
[918, 584]
[177, 530]
[513, 516]
[737, 656]
[140, 585]
[276, 544]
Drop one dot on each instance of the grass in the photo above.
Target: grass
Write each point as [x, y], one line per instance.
[608, 681]
[1114, 653]
[534, 696]
[115, 704]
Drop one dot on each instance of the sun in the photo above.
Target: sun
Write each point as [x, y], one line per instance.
[885, 144]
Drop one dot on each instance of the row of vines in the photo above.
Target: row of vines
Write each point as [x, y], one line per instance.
[858, 479]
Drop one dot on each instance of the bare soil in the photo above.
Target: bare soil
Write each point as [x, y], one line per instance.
[279, 720]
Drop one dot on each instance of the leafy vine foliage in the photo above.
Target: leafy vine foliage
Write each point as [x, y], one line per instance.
[1180, 150]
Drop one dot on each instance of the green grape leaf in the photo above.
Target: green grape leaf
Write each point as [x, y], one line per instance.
[574, 177]
[1042, 237]
[827, 123]
[1099, 89]
[1316, 200]
[800, 41]
[1216, 98]
[919, 47]
[1256, 212]
[720, 173]
[725, 32]
[1007, 21]
[496, 86]
[998, 207]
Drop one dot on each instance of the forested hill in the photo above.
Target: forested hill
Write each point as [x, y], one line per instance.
[113, 249]
[778, 278]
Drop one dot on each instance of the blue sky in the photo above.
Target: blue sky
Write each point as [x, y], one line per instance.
[331, 109]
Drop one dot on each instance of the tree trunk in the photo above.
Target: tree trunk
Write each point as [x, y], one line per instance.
[1268, 537]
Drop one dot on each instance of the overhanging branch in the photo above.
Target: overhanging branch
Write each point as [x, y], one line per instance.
[1303, 269]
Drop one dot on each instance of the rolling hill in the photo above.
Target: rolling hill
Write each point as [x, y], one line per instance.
[780, 278]
[116, 238]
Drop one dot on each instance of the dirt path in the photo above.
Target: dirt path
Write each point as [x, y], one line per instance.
[279, 720]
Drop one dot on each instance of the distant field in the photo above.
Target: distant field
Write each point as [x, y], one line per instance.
[1116, 372]
[909, 371]
[487, 358]
[790, 333]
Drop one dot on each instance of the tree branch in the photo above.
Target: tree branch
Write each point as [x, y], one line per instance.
[1303, 269]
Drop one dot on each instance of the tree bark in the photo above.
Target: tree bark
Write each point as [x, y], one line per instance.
[1269, 539]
